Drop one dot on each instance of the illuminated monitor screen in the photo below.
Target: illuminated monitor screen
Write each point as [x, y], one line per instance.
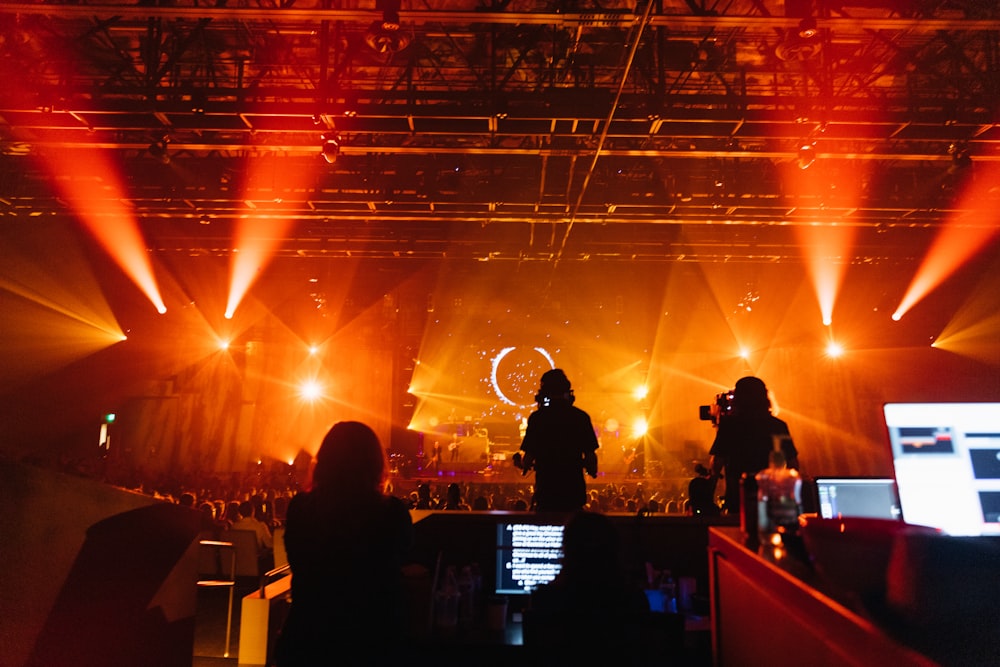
[947, 463]
[528, 555]
[872, 497]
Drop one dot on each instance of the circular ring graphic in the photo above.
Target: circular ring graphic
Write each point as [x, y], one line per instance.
[496, 364]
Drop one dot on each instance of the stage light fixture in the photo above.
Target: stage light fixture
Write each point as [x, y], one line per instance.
[331, 148]
[385, 36]
[311, 390]
[807, 28]
[199, 98]
[807, 155]
[960, 159]
[158, 149]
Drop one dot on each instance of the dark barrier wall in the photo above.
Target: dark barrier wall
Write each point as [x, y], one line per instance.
[93, 575]
[668, 542]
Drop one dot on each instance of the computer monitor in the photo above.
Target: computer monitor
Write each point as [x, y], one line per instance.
[528, 554]
[871, 497]
[947, 464]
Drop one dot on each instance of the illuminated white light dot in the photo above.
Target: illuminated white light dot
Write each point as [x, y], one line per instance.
[311, 390]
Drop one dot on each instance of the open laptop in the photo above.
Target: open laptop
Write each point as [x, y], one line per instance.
[872, 497]
[946, 458]
[528, 554]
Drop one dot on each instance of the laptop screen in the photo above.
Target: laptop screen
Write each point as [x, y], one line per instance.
[873, 497]
[529, 554]
[947, 463]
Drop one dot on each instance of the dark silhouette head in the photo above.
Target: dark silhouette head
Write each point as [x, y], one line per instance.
[351, 459]
[750, 396]
[555, 386]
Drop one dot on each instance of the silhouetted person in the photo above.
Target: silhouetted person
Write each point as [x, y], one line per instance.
[559, 444]
[347, 542]
[453, 499]
[701, 492]
[591, 611]
[434, 460]
[424, 499]
[746, 437]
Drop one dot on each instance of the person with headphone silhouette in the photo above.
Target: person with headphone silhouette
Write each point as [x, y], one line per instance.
[560, 444]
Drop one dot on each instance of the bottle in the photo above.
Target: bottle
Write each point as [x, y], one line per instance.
[749, 517]
[668, 588]
[779, 498]
[446, 602]
[466, 598]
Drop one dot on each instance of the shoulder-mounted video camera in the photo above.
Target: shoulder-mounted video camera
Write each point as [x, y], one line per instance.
[719, 410]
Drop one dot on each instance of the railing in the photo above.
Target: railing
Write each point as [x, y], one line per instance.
[219, 546]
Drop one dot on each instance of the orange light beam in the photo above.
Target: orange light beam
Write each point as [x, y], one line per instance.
[827, 247]
[89, 182]
[957, 242]
[256, 237]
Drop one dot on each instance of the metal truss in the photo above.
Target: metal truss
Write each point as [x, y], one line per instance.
[680, 130]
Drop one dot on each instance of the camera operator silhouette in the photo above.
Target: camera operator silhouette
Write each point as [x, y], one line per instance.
[559, 444]
[745, 438]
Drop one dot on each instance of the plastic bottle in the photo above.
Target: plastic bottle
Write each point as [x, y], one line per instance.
[446, 602]
[668, 587]
[749, 516]
[779, 498]
[466, 598]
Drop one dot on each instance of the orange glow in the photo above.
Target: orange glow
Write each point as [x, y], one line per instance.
[972, 330]
[834, 349]
[950, 250]
[826, 247]
[255, 242]
[827, 244]
[311, 390]
[88, 181]
[957, 241]
[256, 237]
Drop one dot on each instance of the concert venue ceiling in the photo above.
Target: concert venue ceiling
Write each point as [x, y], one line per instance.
[566, 131]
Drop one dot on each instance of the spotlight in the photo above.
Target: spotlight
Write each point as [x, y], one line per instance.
[331, 148]
[158, 149]
[311, 390]
[199, 98]
[807, 28]
[834, 350]
[807, 155]
[960, 159]
[384, 36]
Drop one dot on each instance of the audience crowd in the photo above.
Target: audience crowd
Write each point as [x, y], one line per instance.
[264, 494]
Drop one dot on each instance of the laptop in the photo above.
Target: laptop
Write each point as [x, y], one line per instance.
[871, 497]
[528, 554]
[946, 458]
